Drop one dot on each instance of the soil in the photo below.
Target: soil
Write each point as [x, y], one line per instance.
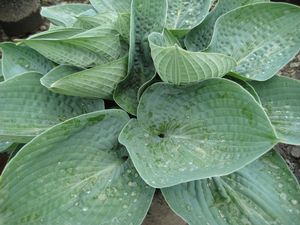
[160, 213]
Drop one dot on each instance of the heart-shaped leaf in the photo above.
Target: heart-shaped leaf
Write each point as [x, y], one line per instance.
[199, 37]
[75, 173]
[97, 82]
[64, 14]
[280, 98]
[146, 17]
[261, 37]
[28, 108]
[263, 193]
[17, 60]
[185, 133]
[186, 14]
[178, 66]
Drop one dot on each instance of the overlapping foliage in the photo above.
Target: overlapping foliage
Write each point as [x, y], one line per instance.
[207, 108]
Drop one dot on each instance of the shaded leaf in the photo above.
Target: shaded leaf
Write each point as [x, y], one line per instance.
[64, 14]
[263, 193]
[146, 17]
[178, 66]
[261, 37]
[89, 22]
[120, 6]
[28, 108]
[185, 133]
[6, 146]
[17, 60]
[75, 173]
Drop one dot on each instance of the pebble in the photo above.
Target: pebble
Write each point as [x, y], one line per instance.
[296, 152]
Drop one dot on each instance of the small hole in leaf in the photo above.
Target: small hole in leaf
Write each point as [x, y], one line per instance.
[161, 135]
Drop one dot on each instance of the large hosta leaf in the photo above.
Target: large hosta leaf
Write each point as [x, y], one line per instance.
[119, 6]
[178, 66]
[261, 37]
[27, 108]
[199, 37]
[75, 173]
[184, 133]
[97, 82]
[263, 193]
[186, 14]
[65, 14]
[20, 59]
[146, 17]
[86, 49]
[280, 97]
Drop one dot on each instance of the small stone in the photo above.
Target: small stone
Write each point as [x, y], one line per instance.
[295, 64]
[295, 152]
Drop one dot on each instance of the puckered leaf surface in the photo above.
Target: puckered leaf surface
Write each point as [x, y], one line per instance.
[186, 14]
[17, 60]
[261, 37]
[185, 133]
[199, 37]
[27, 108]
[280, 97]
[146, 17]
[75, 173]
[263, 193]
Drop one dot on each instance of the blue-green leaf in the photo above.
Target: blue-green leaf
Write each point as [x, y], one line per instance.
[75, 173]
[185, 133]
[263, 193]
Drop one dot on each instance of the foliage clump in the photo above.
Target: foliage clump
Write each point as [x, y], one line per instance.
[119, 98]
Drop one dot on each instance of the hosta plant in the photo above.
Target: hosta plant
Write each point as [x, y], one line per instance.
[120, 98]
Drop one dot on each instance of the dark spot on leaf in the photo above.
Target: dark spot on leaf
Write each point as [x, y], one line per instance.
[161, 135]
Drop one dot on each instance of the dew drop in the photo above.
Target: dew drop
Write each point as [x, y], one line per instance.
[283, 196]
[125, 206]
[280, 185]
[84, 209]
[294, 202]
[132, 184]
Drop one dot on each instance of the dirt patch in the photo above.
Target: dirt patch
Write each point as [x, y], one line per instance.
[161, 214]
